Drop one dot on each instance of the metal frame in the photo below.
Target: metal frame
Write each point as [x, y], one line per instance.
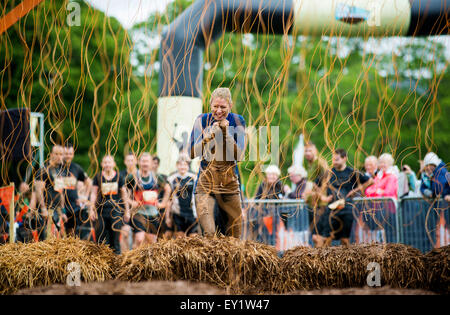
[301, 202]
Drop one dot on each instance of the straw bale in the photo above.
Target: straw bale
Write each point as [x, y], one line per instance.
[235, 265]
[307, 268]
[437, 263]
[26, 265]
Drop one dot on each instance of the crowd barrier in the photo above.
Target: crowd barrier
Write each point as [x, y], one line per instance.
[413, 221]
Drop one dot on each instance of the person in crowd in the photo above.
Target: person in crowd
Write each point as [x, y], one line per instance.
[371, 166]
[435, 178]
[385, 183]
[271, 187]
[218, 138]
[182, 212]
[303, 188]
[49, 186]
[164, 192]
[344, 183]
[130, 162]
[298, 177]
[378, 214]
[144, 188]
[407, 182]
[85, 229]
[73, 173]
[318, 173]
[316, 167]
[108, 204]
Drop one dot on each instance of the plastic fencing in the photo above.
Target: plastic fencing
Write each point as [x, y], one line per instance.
[288, 223]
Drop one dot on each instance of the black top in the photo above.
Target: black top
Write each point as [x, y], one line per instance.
[273, 191]
[342, 182]
[109, 194]
[53, 177]
[73, 174]
[299, 189]
[183, 188]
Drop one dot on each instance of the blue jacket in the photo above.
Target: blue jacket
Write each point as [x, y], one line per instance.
[439, 182]
[204, 121]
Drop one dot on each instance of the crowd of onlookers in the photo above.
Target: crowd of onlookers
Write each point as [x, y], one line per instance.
[328, 191]
[139, 205]
[431, 180]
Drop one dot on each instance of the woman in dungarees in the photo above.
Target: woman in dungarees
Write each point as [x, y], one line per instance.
[219, 138]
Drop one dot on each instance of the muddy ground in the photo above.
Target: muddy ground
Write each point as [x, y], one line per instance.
[115, 287]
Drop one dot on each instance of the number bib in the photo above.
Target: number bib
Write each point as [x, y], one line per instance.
[147, 197]
[59, 184]
[110, 188]
[70, 183]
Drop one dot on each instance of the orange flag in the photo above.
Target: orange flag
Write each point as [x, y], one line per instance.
[6, 194]
[268, 222]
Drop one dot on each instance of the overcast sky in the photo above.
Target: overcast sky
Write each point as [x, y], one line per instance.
[129, 12]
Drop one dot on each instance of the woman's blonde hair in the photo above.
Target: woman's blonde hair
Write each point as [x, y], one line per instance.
[388, 158]
[222, 92]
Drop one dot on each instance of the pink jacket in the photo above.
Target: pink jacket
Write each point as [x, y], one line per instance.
[386, 186]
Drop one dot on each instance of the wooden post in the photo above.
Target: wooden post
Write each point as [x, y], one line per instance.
[12, 216]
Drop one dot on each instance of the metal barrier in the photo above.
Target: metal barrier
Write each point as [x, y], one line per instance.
[424, 225]
[412, 221]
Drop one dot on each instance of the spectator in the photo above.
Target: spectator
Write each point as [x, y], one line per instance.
[371, 166]
[407, 182]
[298, 177]
[385, 183]
[108, 199]
[315, 166]
[345, 182]
[182, 211]
[271, 187]
[435, 178]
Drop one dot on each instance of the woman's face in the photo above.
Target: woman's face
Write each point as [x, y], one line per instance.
[220, 108]
[429, 169]
[182, 167]
[108, 163]
[383, 165]
[271, 178]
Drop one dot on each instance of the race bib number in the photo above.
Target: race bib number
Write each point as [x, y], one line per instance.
[70, 182]
[59, 184]
[110, 188]
[150, 197]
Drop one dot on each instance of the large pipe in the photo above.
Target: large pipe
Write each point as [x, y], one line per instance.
[184, 40]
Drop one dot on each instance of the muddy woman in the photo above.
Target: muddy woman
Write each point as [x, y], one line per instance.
[218, 138]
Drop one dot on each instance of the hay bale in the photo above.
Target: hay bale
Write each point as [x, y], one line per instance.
[232, 264]
[437, 263]
[344, 267]
[27, 265]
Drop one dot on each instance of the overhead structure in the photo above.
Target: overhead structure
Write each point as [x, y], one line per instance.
[185, 39]
[16, 14]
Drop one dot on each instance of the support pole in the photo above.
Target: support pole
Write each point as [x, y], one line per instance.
[12, 230]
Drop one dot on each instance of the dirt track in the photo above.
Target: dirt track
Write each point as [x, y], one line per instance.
[115, 287]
